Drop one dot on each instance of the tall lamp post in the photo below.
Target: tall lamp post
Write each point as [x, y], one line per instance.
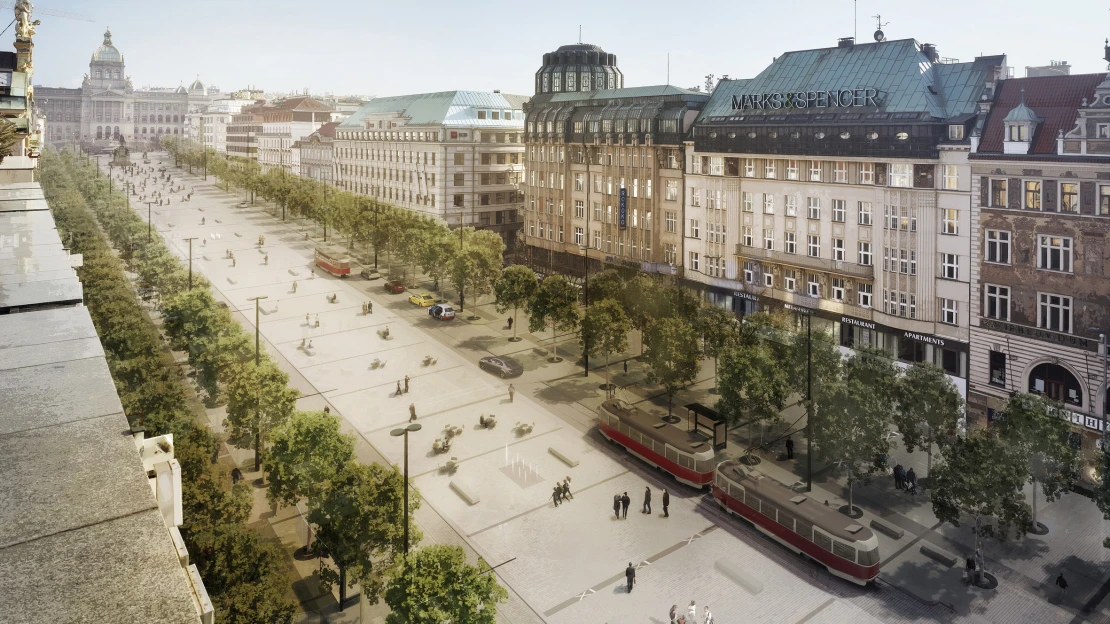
[148, 205]
[191, 239]
[404, 431]
[586, 257]
[809, 404]
[257, 413]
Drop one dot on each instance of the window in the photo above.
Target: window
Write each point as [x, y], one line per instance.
[950, 266]
[789, 279]
[459, 158]
[695, 228]
[1054, 313]
[460, 179]
[769, 239]
[579, 209]
[814, 171]
[901, 175]
[813, 287]
[749, 272]
[998, 193]
[749, 167]
[791, 170]
[840, 172]
[579, 236]
[458, 200]
[670, 221]
[998, 368]
[865, 254]
[769, 169]
[864, 293]
[1055, 254]
[814, 246]
[867, 173]
[747, 202]
[838, 289]
[955, 133]
[950, 175]
[814, 207]
[791, 202]
[1102, 131]
[768, 203]
[1057, 383]
[672, 190]
[951, 221]
[791, 242]
[1069, 197]
[948, 313]
[865, 213]
[998, 246]
[1032, 195]
[695, 197]
[997, 302]
[838, 249]
[670, 253]
[1018, 132]
[768, 280]
[694, 261]
[748, 238]
[840, 210]
[1104, 199]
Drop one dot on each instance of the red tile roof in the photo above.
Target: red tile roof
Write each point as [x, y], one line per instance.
[304, 103]
[328, 129]
[1055, 99]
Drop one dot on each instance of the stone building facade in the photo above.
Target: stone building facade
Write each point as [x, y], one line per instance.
[317, 157]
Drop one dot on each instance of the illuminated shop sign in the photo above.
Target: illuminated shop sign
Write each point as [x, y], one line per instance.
[807, 99]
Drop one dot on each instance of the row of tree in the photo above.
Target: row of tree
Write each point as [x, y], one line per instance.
[356, 509]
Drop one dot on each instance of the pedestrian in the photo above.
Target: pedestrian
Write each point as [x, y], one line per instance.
[647, 500]
[309, 344]
[911, 481]
[266, 259]
[666, 502]
[969, 570]
[692, 613]
[1062, 583]
[398, 387]
[510, 322]
[626, 367]
[564, 491]
[327, 410]
[899, 482]
[555, 494]
[412, 412]
[233, 262]
[406, 384]
[512, 391]
[625, 502]
[708, 616]
[306, 321]
[317, 321]
[617, 505]
[790, 448]
[980, 564]
[294, 286]
[674, 610]
[630, 576]
[566, 487]
[370, 307]
[302, 342]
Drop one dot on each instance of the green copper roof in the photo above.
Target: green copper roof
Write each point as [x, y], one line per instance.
[443, 108]
[631, 92]
[905, 78]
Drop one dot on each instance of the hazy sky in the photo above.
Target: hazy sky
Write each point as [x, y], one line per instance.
[370, 47]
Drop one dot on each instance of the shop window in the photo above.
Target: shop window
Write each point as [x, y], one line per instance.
[911, 350]
[1057, 383]
[950, 361]
[998, 368]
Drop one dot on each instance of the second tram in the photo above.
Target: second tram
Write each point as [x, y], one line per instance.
[687, 455]
[334, 260]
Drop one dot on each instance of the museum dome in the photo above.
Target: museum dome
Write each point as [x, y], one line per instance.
[197, 86]
[181, 89]
[107, 52]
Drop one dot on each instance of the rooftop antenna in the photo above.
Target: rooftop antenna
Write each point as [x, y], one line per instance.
[668, 68]
[580, 33]
[855, 20]
[879, 23]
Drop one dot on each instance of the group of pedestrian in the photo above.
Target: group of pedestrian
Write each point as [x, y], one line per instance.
[561, 492]
[368, 307]
[905, 480]
[691, 615]
[622, 501]
[406, 390]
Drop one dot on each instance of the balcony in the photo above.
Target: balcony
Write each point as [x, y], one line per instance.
[806, 262]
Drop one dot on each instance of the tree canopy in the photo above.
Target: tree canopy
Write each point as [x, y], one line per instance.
[439, 586]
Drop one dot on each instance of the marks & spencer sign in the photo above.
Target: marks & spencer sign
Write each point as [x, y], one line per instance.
[807, 99]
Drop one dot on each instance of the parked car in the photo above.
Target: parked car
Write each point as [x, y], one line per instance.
[441, 312]
[423, 300]
[395, 286]
[501, 366]
[370, 274]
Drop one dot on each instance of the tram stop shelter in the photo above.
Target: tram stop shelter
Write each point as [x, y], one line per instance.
[705, 420]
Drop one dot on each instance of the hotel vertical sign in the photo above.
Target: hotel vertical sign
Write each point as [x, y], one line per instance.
[624, 209]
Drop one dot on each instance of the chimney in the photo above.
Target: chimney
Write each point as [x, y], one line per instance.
[930, 52]
[497, 90]
[845, 42]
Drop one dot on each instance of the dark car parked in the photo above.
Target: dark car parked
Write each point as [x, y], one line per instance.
[501, 366]
[395, 286]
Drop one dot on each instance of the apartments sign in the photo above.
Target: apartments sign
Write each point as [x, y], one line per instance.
[839, 98]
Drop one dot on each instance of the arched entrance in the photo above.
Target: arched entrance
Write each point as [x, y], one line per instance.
[1057, 383]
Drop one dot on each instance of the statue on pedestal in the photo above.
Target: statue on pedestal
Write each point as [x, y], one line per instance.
[24, 27]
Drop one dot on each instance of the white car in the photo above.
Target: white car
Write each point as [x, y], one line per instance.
[441, 312]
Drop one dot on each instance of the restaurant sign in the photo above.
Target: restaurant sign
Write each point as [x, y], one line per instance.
[836, 98]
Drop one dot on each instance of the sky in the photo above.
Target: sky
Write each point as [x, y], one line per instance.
[370, 47]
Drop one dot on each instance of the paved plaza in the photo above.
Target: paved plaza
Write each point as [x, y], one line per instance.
[568, 561]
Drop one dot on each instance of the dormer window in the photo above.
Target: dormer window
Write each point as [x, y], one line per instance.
[495, 114]
[1018, 132]
[955, 132]
[1020, 123]
[481, 114]
[1102, 131]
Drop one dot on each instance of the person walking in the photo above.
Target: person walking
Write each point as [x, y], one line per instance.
[294, 287]
[969, 570]
[626, 367]
[406, 384]
[790, 448]
[510, 323]
[1062, 583]
[899, 481]
[708, 616]
[630, 576]
[370, 306]
[666, 502]
[911, 481]
[398, 388]
[412, 412]
[317, 321]
[566, 487]
[647, 500]
[980, 564]
[512, 391]
[617, 505]
[674, 610]
[306, 321]
[555, 495]
[692, 613]
[625, 502]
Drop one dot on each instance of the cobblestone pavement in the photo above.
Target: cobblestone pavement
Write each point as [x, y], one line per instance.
[568, 562]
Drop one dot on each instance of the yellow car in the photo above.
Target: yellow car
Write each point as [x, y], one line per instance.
[423, 300]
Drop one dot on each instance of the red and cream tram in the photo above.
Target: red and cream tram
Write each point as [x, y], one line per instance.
[687, 455]
[848, 549]
[334, 260]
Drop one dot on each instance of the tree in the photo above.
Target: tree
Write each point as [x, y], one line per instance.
[979, 477]
[411, 242]
[604, 331]
[672, 356]
[437, 254]
[514, 288]
[1035, 431]
[678, 302]
[1102, 493]
[718, 328]
[438, 585]
[485, 249]
[244, 575]
[360, 526]
[259, 400]
[607, 284]
[554, 304]
[929, 409]
[307, 453]
[641, 302]
[755, 384]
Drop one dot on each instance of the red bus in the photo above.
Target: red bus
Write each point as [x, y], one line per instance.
[687, 455]
[333, 260]
[845, 547]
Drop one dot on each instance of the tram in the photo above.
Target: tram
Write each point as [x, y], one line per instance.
[334, 260]
[846, 548]
[686, 455]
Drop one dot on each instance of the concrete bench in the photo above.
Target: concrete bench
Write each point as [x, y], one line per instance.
[570, 461]
[887, 529]
[739, 576]
[939, 555]
[464, 493]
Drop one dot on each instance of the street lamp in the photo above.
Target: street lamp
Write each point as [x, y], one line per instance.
[258, 415]
[586, 257]
[404, 431]
[191, 239]
[148, 205]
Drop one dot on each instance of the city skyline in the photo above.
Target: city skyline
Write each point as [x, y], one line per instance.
[274, 65]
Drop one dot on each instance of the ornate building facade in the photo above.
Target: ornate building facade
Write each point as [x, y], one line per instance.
[107, 108]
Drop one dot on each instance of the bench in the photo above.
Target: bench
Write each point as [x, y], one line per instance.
[739, 576]
[888, 530]
[939, 555]
[570, 461]
[464, 493]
